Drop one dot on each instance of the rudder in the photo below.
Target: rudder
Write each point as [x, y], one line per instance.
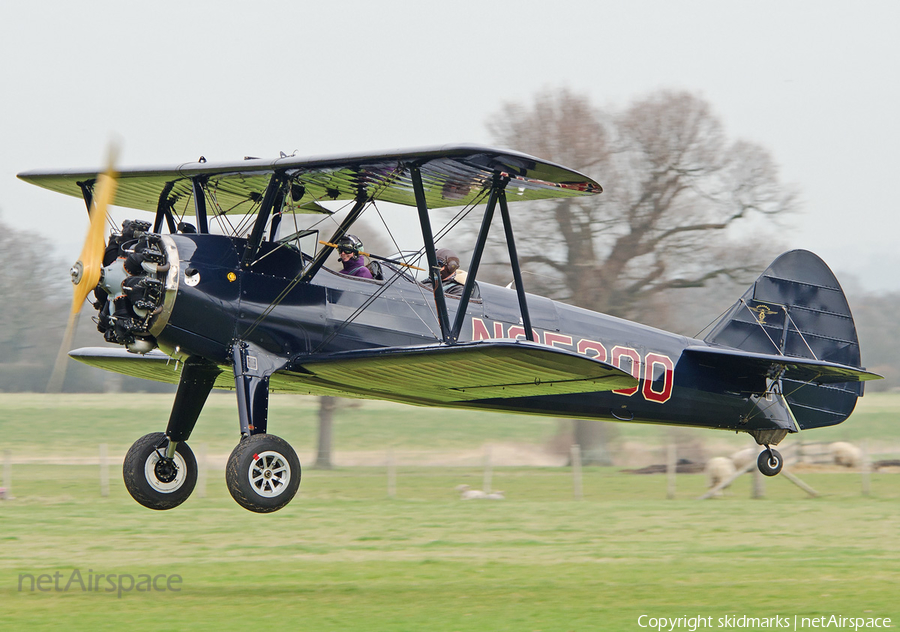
[797, 308]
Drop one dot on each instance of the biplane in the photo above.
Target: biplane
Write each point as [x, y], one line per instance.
[225, 289]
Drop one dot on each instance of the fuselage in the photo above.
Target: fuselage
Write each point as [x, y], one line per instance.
[218, 302]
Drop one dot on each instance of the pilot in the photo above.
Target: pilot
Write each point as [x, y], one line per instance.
[354, 263]
[452, 278]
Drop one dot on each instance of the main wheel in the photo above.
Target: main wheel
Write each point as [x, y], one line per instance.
[770, 462]
[263, 473]
[155, 481]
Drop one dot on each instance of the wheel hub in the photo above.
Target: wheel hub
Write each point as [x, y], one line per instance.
[165, 470]
[165, 474]
[269, 474]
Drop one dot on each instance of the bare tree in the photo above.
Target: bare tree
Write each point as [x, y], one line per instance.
[676, 212]
[33, 309]
[879, 335]
[676, 192]
[327, 406]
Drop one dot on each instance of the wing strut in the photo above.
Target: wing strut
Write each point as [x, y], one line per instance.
[434, 270]
[273, 195]
[87, 192]
[497, 195]
[497, 188]
[164, 210]
[516, 270]
[197, 185]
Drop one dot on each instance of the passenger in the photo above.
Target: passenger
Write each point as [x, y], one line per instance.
[354, 263]
[452, 278]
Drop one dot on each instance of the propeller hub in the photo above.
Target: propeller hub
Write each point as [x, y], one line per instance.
[76, 272]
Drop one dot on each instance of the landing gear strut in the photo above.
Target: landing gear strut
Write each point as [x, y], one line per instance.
[263, 471]
[160, 470]
[770, 461]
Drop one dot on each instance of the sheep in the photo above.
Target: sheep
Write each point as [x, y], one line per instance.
[467, 493]
[845, 454]
[719, 470]
[744, 457]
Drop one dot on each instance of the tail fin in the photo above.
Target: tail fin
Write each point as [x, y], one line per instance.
[797, 308]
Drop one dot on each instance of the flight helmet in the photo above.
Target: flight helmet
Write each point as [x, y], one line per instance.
[351, 244]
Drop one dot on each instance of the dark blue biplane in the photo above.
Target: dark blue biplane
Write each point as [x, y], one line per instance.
[240, 299]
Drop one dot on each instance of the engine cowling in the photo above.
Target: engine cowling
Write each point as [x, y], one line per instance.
[137, 286]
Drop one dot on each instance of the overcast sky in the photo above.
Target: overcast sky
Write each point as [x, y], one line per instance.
[816, 83]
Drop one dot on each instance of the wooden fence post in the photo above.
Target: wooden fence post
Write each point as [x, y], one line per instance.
[104, 470]
[7, 474]
[865, 469]
[488, 470]
[577, 490]
[759, 485]
[671, 470]
[391, 474]
[202, 470]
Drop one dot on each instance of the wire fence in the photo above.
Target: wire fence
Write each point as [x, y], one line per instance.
[799, 458]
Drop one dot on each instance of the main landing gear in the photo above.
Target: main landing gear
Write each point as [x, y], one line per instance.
[263, 471]
[158, 473]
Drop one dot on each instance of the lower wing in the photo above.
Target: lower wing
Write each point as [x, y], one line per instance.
[432, 374]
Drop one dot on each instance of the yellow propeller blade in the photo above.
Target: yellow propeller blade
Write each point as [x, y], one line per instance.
[86, 271]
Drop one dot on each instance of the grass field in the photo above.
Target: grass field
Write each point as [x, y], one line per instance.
[344, 556]
[75, 424]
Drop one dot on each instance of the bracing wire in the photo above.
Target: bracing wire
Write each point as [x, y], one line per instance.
[416, 257]
[290, 286]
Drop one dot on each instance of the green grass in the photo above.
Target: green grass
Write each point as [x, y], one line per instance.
[59, 423]
[65, 423]
[343, 556]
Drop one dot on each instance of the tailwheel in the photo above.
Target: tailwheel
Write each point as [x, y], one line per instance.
[263, 473]
[770, 461]
[155, 480]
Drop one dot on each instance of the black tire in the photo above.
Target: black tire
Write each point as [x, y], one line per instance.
[263, 473]
[157, 485]
[770, 462]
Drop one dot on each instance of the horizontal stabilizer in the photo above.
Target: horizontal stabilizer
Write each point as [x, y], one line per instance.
[462, 372]
[746, 364]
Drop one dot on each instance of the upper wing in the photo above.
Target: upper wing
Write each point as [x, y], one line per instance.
[435, 374]
[452, 176]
